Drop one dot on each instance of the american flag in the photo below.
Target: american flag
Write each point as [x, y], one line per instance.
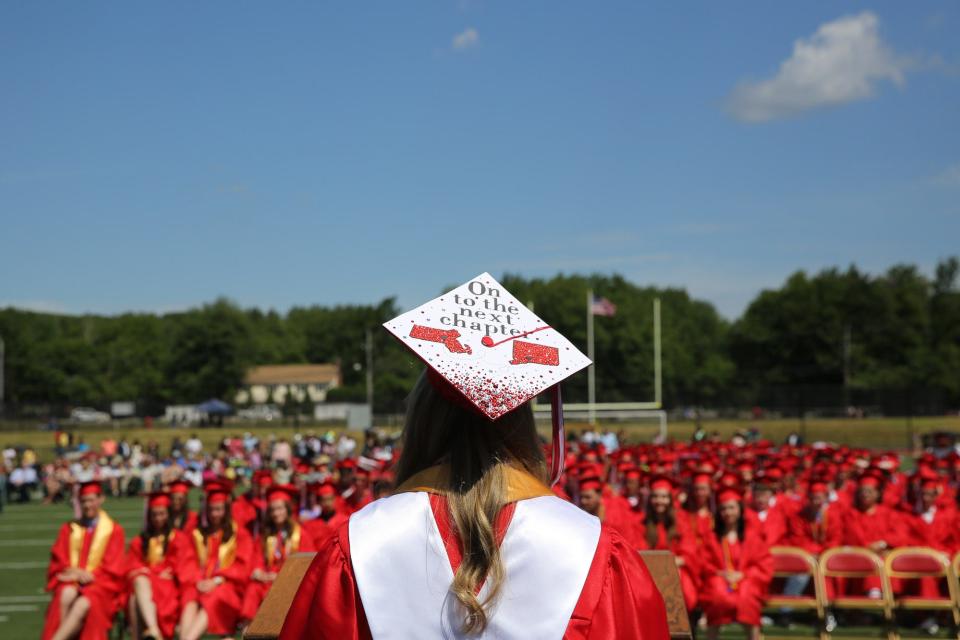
[602, 307]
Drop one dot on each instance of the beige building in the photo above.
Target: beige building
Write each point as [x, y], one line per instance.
[273, 382]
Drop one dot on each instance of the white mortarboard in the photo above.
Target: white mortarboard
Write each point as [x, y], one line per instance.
[491, 349]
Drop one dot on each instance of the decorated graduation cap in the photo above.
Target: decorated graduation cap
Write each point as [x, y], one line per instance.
[486, 351]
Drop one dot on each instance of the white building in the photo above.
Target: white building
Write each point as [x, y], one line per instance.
[272, 383]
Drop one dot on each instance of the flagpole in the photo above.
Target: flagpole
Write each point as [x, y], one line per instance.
[591, 370]
[657, 367]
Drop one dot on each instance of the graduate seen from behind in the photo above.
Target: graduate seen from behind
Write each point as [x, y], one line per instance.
[474, 544]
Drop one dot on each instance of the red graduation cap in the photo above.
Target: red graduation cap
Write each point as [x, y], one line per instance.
[263, 477]
[662, 483]
[870, 478]
[590, 481]
[728, 495]
[325, 489]
[218, 490]
[487, 351]
[179, 486]
[158, 499]
[91, 487]
[286, 492]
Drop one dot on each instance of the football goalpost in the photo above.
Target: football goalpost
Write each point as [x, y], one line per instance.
[618, 410]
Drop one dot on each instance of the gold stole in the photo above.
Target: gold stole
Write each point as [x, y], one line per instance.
[291, 546]
[520, 484]
[98, 545]
[155, 549]
[728, 559]
[226, 553]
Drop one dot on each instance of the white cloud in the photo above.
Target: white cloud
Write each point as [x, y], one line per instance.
[468, 39]
[949, 177]
[842, 62]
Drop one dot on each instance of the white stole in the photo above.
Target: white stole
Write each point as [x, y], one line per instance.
[404, 575]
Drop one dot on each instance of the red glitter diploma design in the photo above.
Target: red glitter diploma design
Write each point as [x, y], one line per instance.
[488, 345]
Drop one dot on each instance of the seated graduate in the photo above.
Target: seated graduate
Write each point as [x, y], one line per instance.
[327, 515]
[181, 516]
[156, 562]
[474, 543]
[219, 568]
[738, 569]
[86, 571]
[279, 536]
[663, 531]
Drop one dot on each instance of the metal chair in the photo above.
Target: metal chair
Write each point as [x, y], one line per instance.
[792, 561]
[857, 562]
[915, 563]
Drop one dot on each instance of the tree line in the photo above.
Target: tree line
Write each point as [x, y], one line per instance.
[846, 331]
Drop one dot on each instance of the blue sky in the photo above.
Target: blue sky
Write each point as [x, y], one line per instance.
[154, 156]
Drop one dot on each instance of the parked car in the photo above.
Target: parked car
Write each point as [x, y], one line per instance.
[89, 415]
[261, 413]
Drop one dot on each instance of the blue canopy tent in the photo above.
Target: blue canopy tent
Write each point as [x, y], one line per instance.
[215, 410]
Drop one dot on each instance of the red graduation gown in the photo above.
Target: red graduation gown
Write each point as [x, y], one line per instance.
[166, 571]
[100, 551]
[230, 560]
[773, 527]
[618, 599]
[246, 509]
[940, 534]
[269, 554]
[814, 535]
[684, 547]
[319, 529]
[190, 522]
[724, 603]
[864, 528]
[616, 513]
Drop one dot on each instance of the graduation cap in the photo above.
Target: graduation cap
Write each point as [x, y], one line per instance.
[286, 492]
[218, 491]
[179, 486]
[91, 487]
[325, 489]
[729, 495]
[263, 477]
[662, 483]
[158, 499]
[486, 351]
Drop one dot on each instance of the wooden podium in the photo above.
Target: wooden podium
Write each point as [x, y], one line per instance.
[269, 619]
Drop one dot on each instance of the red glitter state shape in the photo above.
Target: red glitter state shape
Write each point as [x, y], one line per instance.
[532, 353]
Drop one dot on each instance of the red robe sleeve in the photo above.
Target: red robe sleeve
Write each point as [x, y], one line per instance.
[327, 604]
[134, 562]
[59, 556]
[619, 598]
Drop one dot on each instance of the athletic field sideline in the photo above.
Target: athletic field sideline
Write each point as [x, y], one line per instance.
[876, 433]
[28, 531]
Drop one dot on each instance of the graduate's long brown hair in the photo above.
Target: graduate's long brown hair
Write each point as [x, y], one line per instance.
[478, 452]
